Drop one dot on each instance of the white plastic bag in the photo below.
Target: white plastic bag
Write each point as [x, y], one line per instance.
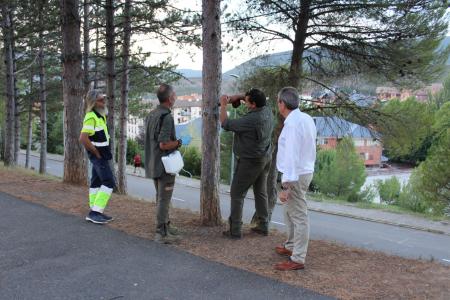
[173, 163]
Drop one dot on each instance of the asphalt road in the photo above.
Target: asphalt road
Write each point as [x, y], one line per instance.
[49, 255]
[374, 236]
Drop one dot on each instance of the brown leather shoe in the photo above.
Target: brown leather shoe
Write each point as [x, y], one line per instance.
[289, 266]
[283, 251]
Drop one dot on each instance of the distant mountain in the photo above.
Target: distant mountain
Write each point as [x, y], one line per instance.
[283, 58]
[190, 73]
[273, 59]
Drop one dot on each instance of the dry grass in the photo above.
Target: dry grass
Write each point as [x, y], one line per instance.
[332, 269]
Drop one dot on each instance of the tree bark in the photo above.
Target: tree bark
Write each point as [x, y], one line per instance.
[122, 151]
[9, 103]
[43, 110]
[295, 69]
[110, 76]
[97, 40]
[86, 51]
[212, 77]
[16, 93]
[30, 123]
[74, 161]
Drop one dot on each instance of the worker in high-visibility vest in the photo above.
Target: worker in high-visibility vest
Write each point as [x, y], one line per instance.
[95, 138]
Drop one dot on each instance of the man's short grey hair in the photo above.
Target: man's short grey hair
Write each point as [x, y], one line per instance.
[164, 92]
[290, 97]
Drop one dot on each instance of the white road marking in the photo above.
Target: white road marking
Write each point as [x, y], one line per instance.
[279, 223]
[446, 260]
[178, 199]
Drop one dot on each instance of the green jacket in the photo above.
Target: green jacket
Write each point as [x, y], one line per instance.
[159, 127]
[252, 133]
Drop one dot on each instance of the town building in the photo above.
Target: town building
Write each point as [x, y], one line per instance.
[187, 108]
[134, 127]
[330, 130]
[388, 93]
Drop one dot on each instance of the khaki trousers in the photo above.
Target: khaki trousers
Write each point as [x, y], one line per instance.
[296, 218]
[164, 189]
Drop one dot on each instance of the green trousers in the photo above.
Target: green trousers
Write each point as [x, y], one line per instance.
[164, 189]
[249, 173]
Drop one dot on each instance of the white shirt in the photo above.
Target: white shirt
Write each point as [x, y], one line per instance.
[297, 146]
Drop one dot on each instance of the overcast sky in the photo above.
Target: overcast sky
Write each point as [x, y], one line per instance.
[191, 57]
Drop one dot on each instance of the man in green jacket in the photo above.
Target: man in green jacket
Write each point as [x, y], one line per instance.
[252, 148]
[160, 140]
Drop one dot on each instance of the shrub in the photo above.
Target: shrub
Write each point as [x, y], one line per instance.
[341, 173]
[192, 160]
[389, 189]
[411, 200]
[324, 160]
[366, 195]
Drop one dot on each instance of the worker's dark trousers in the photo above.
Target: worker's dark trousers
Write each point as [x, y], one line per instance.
[249, 173]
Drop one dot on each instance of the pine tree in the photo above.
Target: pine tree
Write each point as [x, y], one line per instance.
[212, 77]
[73, 90]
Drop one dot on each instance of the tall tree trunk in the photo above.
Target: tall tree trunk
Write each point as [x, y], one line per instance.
[30, 122]
[9, 103]
[43, 112]
[294, 77]
[86, 29]
[97, 40]
[110, 73]
[16, 93]
[212, 78]
[122, 161]
[295, 70]
[74, 161]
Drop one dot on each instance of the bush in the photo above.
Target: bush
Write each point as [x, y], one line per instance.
[341, 172]
[367, 195]
[192, 160]
[411, 200]
[389, 190]
[324, 160]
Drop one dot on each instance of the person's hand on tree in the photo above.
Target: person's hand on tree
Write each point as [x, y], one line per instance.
[224, 100]
[284, 196]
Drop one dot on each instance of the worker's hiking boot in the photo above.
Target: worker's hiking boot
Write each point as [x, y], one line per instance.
[232, 235]
[172, 229]
[234, 232]
[108, 218]
[164, 236]
[262, 229]
[96, 218]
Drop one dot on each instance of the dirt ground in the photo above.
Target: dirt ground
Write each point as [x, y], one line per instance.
[331, 269]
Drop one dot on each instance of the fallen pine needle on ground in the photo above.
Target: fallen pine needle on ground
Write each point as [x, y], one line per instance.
[331, 269]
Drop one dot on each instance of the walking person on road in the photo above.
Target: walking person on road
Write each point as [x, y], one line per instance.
[252, 148]
[137, 163]
[95, 138]
[295, 160]
[160, 140]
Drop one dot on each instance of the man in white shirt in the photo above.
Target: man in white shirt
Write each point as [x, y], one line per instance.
[295, 160]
